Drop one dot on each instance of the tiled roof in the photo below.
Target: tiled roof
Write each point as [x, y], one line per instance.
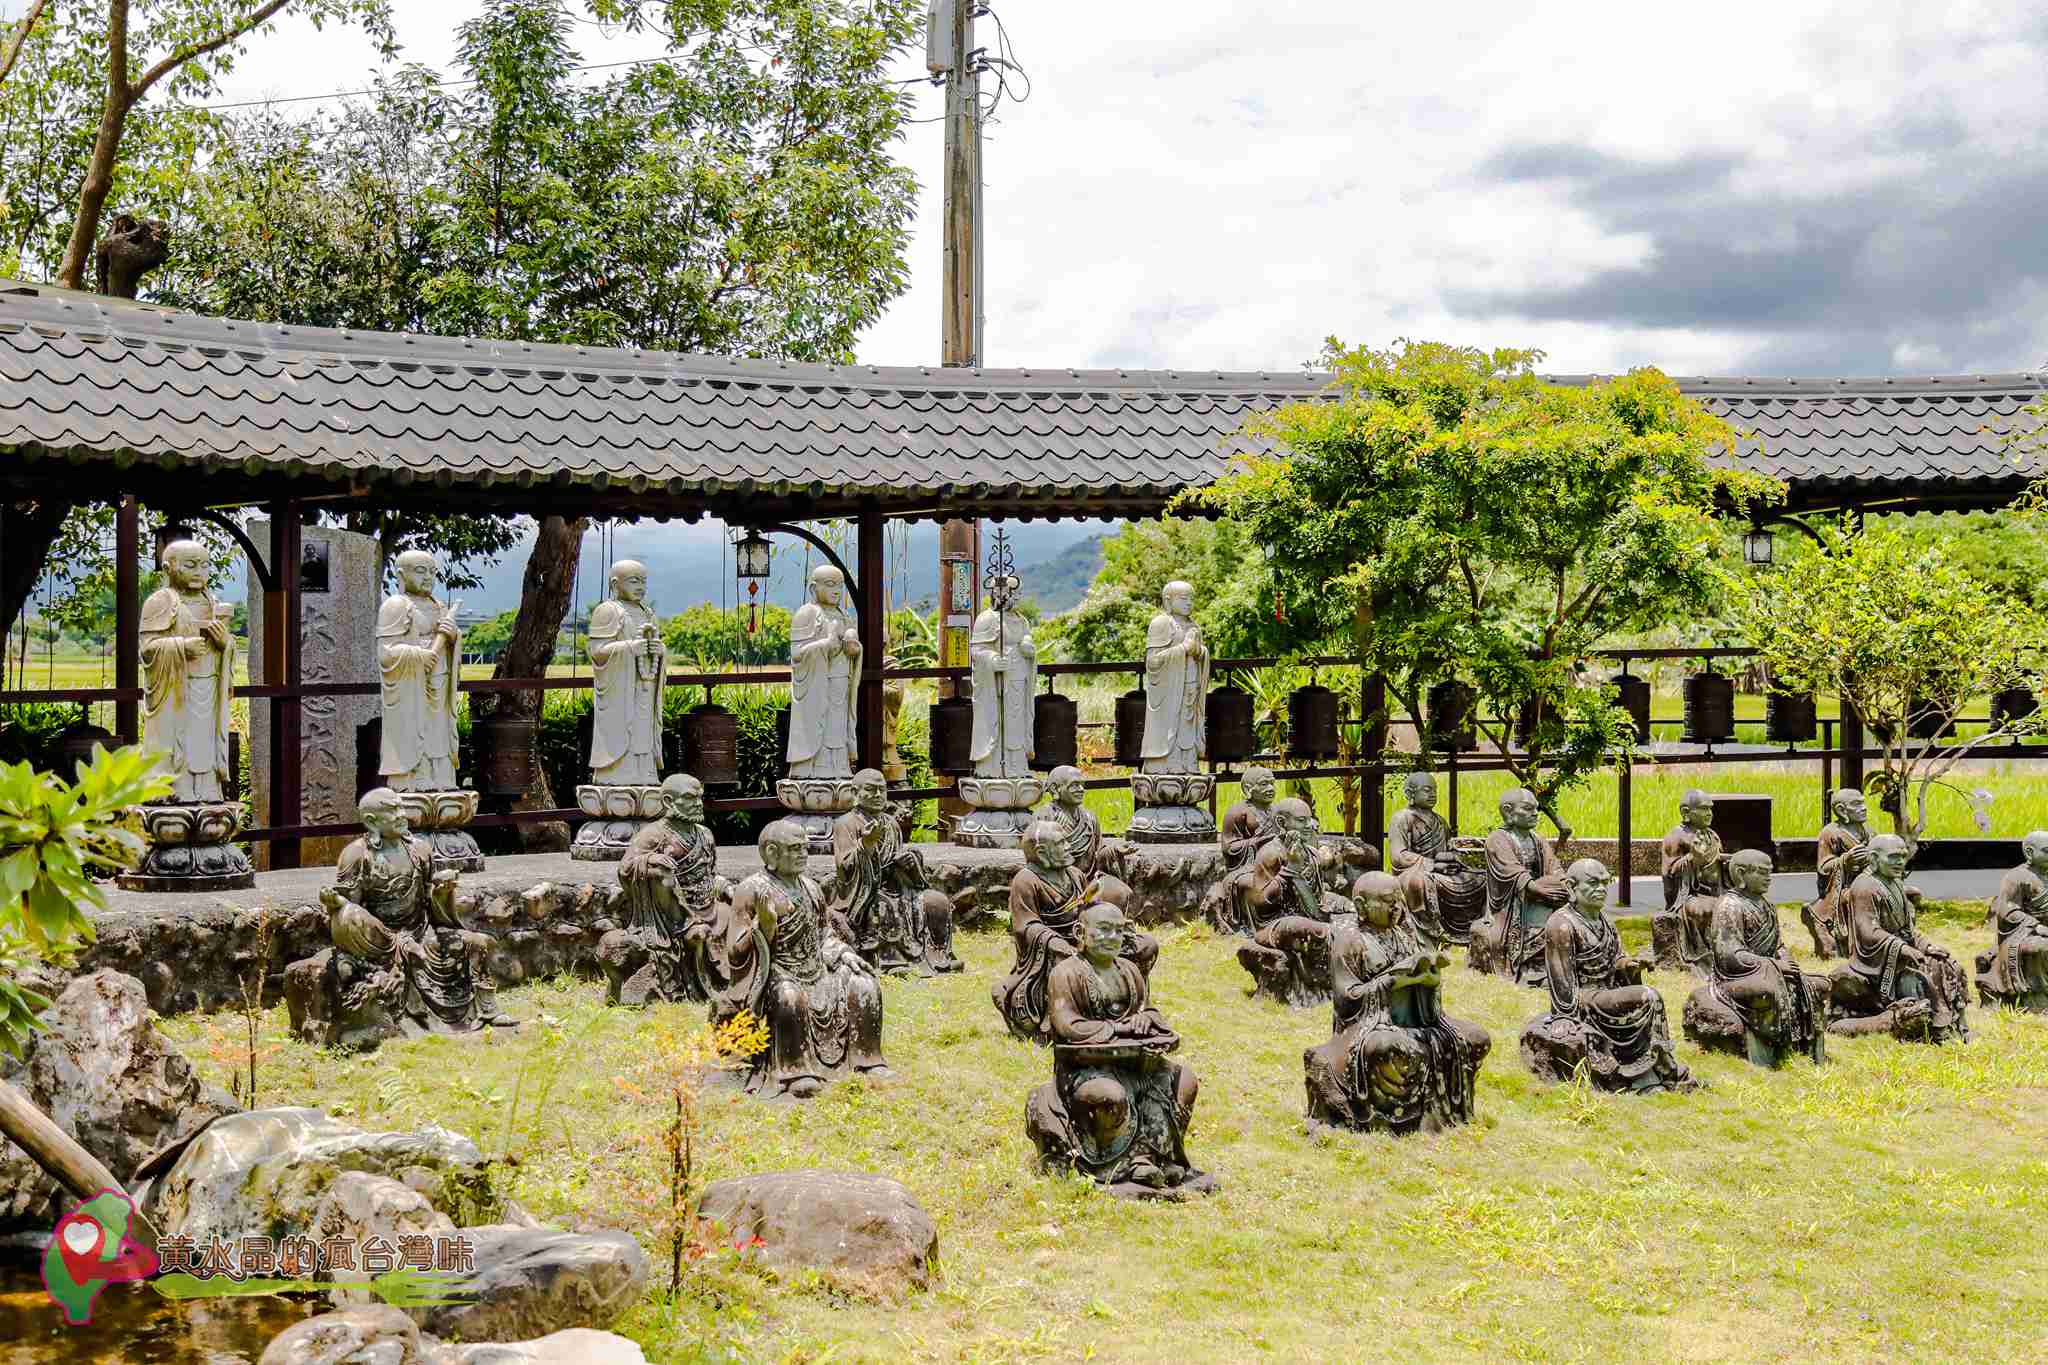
[87, 380]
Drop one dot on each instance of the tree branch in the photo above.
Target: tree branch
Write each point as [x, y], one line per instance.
[194, 50]
[22, 29]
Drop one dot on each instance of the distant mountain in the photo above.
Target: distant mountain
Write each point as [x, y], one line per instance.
[689, 564]
[1059, 583]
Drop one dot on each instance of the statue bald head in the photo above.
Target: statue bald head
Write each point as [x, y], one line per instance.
[828, 585]
[188, 564]
[628, 580]
[417, 570]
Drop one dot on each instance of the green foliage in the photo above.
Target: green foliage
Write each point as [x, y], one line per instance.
[54, 835]
[715, 636]
[1470, 518]
[1895, 626]
[488, 639]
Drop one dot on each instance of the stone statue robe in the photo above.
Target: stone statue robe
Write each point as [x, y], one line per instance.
[821, 688]
[881, 902]
[1246, 826]
[2016, 968]
[420, 671]
[1519, 866]
[1092, 855]
[1045, 913]
[1176, 690]
[1827, 918]
[820, 1001]
[400, 950]
[185, 703]
[625, 731]
[1695, 878]
[1598, 1012]
[1753, 977]
[1395, 1061]
[669, 883]
[1445, 897]
[1881, 924]
[1002, 701]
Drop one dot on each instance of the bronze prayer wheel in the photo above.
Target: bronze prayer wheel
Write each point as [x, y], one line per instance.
[1450, 716]
[711, 743]
[75, 745]
[1312, 722]
[2013, 703]
[502, 752]
[1789, 717]
[952, 727]
[1130, 727]
[1634, 698]
[1929, 720]
[1709, 708]
[1229, 725]
[1055, 730]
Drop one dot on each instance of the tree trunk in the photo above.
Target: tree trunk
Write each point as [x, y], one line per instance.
[27, 531]
[543, 602]
[106, 149]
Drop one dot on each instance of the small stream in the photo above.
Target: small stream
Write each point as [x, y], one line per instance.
[133, 1325]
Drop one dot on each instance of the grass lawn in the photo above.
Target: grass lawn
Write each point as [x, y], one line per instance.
[1890, 1206]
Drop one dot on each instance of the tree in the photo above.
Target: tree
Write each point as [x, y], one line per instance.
[18, 35]
[1478, 521]
[1901, 632]
[201, 39]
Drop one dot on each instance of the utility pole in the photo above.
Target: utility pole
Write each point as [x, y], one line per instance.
[949, 49]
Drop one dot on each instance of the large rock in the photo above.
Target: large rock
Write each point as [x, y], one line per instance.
[577, 1346]
[265, 1173]
[529, 1282]
[376, 1335]
[359, 1206]
[102, 1072]
[867, 1229]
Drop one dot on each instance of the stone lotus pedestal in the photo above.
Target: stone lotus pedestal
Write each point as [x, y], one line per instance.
[1001, 810]
[1171, 808]
[189, 849]
[814, 803]
[617, 813]
[439, 817]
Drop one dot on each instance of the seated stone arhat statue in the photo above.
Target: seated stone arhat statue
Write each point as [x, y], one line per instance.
[670, 896]
[1092, 854]
[778, 959]
[1695, 869]
[1601, 1014]
[1896, 979]
[1250, 821]
[1117, 1107]
[880, 894]
[1395, 1063]
[1047, 896]
[1283, 906]
[1524, 884]
[2015, 971]
[1446, 897]
[1841, 855]
[401, 964]
[1756, 1003]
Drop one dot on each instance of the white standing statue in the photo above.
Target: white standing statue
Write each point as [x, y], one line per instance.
[628, 663]
[188, 667]
[419, 652]
[1176, 684]
[824, 664]
[1004, 660]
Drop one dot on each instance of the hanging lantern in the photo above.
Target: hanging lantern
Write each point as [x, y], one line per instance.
[952, 735]
[1228, 725]
[1055, 730]
[1130, 728]
[1709, 708]
[751, 555]
[1789, 717]
[711, 744]
[1312, 722]
[1450, 716]
[1634, 698]
[1759, 547]
[2013, 703]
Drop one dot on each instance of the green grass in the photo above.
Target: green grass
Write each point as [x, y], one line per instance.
[1890, 1206]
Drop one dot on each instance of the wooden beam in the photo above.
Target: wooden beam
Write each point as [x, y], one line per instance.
[70, 1165]
[128, 616]
[282, 620]
[874, 636]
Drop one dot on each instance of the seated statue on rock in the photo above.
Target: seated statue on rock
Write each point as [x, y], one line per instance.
[881, 899]
[1841, 855]
[401, 964]
[670, 897]
[1092, 855]
[2015, 971]
[1897, 980]
[1396, 1063]
[1280, 903]
[1249, 823]
[1445, 896]
[1047, 895]
[1117, 1108]
[1756, 1003]
[781, 962]
[1695, 868]
[1524, 884]
[1601, 1014]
